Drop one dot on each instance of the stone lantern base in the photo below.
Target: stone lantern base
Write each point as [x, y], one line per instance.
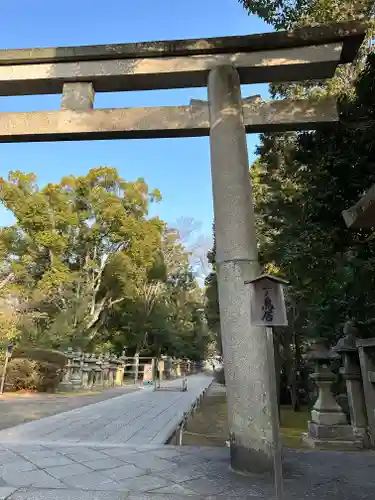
[334, 437]
[65, 386]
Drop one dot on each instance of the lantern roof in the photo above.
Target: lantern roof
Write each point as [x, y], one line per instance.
[270, 277]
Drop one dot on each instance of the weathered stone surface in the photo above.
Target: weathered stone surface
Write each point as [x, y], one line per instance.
[330, 431]
[78, 96]
[301, 63]
[351, 33]
[324, 416]
[279, 116]
[166, 121]
[244, 346]
[351, 373]
[328, 476]
[332, 444]
[36, 494]
[159, 472]
[366, 350]
[329, 427]
[6, 491]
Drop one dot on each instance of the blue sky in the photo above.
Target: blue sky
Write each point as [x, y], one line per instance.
[178, 167]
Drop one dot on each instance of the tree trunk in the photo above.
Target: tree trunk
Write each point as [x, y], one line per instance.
[290, 368]
[294, 377]
[296, 372]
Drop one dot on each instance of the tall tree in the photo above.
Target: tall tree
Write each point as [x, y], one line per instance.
[212, 298]
[287, 14]
[304, 186]
[163, 316]
[78, 247]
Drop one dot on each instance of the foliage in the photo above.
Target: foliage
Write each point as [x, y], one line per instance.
[301, 186]
[26, 374]
[287, 14]
[302, 182]
[290, 14]
[212, 299]
[85, 266]
[75, 247]
[43, 355]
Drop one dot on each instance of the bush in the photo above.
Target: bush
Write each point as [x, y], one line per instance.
[35, 369]
[40, 376]
[40, 354]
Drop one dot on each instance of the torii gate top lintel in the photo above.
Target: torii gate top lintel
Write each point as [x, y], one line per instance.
[350, 33]
[308, 53]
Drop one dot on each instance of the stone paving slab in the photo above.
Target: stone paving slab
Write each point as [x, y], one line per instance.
[85, 472]
[22, 408]
[96, 453]
[140, 417]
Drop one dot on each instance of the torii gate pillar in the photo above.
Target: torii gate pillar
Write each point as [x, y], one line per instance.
[244, 346]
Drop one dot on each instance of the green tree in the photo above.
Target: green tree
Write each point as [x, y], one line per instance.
[77, 249]
[212, 299]
[301, 188]
[162, 317]
[287, 14]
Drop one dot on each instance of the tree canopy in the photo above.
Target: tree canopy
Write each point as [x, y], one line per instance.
[286, 14]
[302, 185]
[85, 266]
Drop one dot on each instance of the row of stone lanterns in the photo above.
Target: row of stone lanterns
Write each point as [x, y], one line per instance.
[85, 371]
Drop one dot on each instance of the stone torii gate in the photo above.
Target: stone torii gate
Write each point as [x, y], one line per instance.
[221, 64]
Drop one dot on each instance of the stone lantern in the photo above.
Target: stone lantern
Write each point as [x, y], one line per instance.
[328, 427]
[75, 374]
[351, 373]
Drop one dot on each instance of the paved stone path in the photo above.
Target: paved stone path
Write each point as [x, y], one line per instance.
[16, 410]
[142, 417]
[81, 472]
[40, 462]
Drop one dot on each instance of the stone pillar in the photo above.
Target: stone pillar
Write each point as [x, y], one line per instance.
[178, 368]
[244, 346]
[66, 385]
[100, 371]
[351, 373]
[136, 368]
[168, 367]
[161, 368]
[366, 351]
[76, 374]
[91, 362]
[78, 96]
[106, 369]
[85, 373]
[120, 371]
[112, 370]
[98, 375]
